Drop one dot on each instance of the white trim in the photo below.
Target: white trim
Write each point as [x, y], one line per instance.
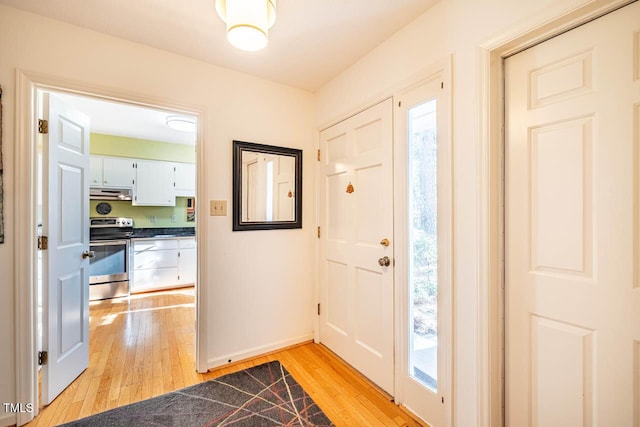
[27, 83]
[258, 351]
[489, 252]
[8, 420]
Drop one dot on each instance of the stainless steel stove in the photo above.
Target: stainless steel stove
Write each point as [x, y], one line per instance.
[110, 239]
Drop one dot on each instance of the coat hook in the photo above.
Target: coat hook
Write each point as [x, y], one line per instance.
[350, 188]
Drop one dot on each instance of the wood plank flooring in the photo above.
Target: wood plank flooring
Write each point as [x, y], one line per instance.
[142, 347]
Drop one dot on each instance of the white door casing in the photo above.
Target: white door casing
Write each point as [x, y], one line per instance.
[66, 223]
[572, 223]
[356, 293]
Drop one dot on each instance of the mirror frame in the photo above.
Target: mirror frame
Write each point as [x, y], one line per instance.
[238, 148]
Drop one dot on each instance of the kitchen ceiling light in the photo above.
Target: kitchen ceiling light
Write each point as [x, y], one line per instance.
[248, 21]
[181, 123]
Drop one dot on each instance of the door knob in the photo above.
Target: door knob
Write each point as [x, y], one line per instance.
[88, 254]
[384, 261]
[385, 242]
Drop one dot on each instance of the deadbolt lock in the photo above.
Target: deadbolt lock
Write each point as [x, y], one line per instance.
[385, 242]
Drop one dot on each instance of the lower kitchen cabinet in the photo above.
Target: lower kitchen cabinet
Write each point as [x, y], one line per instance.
[162, 263]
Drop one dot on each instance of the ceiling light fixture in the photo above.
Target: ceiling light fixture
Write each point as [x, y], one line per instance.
[248, 21]
[181, 123]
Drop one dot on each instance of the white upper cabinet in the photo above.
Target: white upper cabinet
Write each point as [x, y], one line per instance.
[154, 184]
[185, 176]
[111, 172]
[118, 172]
[95, 171]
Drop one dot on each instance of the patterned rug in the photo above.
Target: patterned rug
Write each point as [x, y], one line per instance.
[265, 395]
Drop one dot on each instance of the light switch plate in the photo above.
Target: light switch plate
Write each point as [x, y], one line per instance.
[218, 207]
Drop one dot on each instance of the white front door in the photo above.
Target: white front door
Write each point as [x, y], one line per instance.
[423, 247]
[573, 227]
[65, 208]
[356, 270]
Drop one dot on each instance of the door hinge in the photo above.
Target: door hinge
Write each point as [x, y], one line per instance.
[442, 87]
[442, 399]
[318, 232]
[318, 309]
[43, 126]
[399, 104]
[43, 243]
[318, 154]
[43, 357]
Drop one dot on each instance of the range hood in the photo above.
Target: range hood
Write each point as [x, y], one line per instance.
[110, 194]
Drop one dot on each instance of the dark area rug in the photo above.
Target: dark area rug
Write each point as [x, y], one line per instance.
[265, 395]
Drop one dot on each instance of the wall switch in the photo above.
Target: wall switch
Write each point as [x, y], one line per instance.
[152, 219]
[218, 207]
[173, 218]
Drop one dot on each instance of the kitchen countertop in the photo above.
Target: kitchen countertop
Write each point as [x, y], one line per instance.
[163, 232]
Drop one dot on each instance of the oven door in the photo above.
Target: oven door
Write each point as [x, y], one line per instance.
[109, 269]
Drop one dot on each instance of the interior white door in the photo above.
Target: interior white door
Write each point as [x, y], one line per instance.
[356, 193]
[572, 227]
[66, 223]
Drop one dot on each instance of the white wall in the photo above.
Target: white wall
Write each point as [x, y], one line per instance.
[457, 28]
[260, 284]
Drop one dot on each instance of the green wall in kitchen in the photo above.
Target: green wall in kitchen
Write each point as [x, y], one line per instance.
[120, 146]
[142, 214]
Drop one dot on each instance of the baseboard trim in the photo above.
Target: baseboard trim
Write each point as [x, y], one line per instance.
[233, 358]
[8, 419]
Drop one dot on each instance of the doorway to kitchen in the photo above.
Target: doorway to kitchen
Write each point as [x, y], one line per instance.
[161, 231]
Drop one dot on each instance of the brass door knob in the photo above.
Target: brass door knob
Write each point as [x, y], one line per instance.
[385, 242]
[384, 261]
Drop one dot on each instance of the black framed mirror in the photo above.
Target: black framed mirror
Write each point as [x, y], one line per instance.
[267, 187]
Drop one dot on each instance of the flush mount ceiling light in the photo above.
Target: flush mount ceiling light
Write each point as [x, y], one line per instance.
[181, 123]
[248, 21]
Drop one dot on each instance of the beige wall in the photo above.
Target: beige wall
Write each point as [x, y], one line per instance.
[451, 29]
[261, 282]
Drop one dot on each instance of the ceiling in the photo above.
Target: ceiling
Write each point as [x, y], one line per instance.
[114, 118]
[311, 42]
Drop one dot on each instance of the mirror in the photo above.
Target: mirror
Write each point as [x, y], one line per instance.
[267, 187]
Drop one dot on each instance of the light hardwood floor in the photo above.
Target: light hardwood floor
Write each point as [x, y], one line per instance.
[142, 347]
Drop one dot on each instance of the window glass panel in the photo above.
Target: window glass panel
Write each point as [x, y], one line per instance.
[423, 244]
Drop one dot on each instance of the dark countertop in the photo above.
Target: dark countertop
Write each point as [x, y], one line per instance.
[163, 232]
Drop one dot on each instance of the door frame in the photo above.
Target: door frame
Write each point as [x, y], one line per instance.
[27, 86]
[553, 21]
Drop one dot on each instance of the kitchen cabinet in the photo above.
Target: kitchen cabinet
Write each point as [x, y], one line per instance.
[185, 179]
[161, 263]
[187, 262]
[95, 171]
[155, 264]
[111, 172]
[154, 184]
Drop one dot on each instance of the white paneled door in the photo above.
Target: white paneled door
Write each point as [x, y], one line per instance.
[356, 270]
[573, 227]
[65, 201]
